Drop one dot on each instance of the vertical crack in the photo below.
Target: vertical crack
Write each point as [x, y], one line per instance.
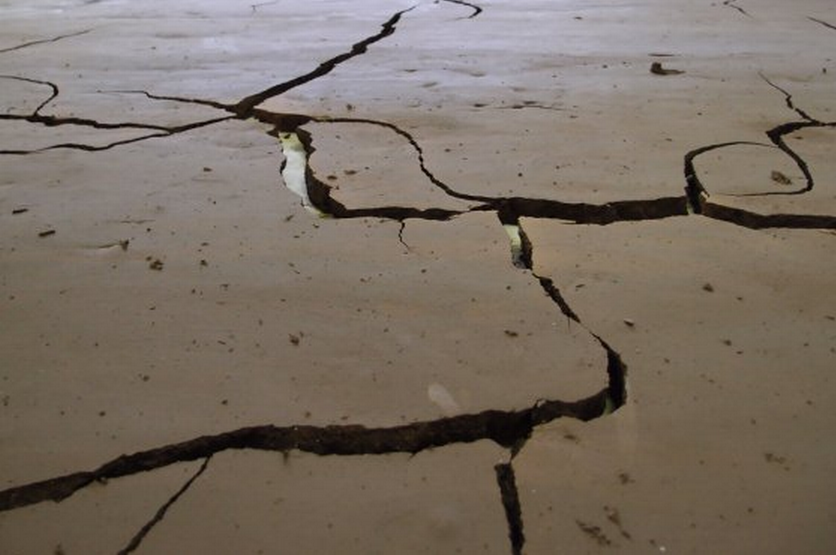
[511, 503]
[136, 541]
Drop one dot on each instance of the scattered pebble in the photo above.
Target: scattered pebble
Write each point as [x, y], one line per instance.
[511, 333]
[780, 178]
[17, 211]
[46, 233]
[294, 339]
[630, 323]
[657, 69]
[156, 264]
[708, 287]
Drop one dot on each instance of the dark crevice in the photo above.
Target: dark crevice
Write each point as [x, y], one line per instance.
[400, 236]
[320, 196]
[731, 4]
[694, 189]
[52, 86]
[698, 196]
[509, 429]
[506, 428]
[84, 147]
[419, 151]
[246, 105]
[51, 121]
[616, 392]
[44, 41]
[476, 9]
[136, 541]
[199, 101]
[787, 99]
[753, 220]
[554, 294]
[595, 214]
[821, 22]
[507, 482]
[512, 208]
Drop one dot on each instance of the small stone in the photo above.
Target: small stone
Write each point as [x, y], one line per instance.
[657, 69]
[630, 323]
[156, 264]
[708, 287]
[780, 178]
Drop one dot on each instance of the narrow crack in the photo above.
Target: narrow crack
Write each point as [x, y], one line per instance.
[699, 198]
[137, 540]
[44, 41]
[52, 86]
[246, 105]
[476, 9]
[507, 482]
[731, 4]
[788, 99]
[821, 22]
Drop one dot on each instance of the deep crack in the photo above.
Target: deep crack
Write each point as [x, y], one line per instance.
[505, 428]
[507, 482]
[509, 429]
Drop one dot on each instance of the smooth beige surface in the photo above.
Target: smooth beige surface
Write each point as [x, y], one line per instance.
[187, 292]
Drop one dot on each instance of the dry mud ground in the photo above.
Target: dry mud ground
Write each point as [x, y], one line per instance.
[548, 277]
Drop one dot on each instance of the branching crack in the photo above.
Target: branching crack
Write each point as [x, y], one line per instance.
[699, 198]
[509, 429]
[506, 428]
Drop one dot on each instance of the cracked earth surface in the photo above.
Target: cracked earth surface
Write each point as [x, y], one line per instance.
[368, 277]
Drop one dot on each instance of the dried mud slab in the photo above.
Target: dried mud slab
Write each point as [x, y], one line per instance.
[437, 501]
[168, 300]
[731, 350]
[100, 520]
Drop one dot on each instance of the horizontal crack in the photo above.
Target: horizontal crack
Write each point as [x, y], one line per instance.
[506, 428]
[44, 41]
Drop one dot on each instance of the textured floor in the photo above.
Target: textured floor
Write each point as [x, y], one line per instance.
[392, 277]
